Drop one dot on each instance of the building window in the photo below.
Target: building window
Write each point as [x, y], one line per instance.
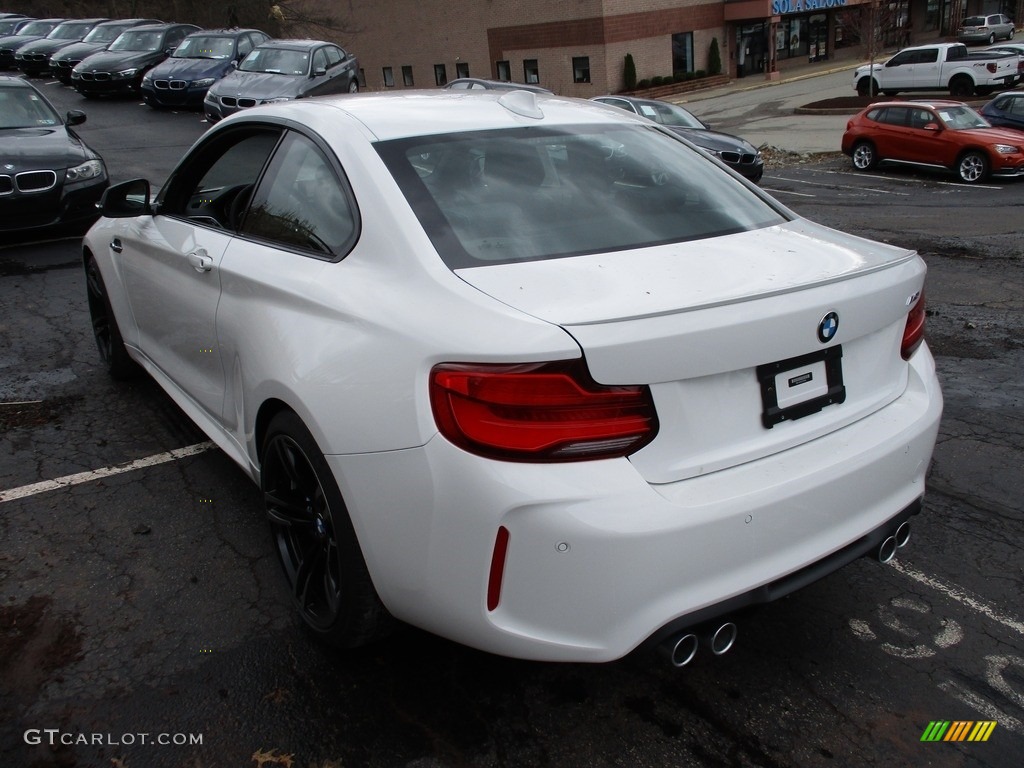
[581, 69]
[389, 78]
[504, 70]
[440, 75]
[531, 72]
[407, 76]
[362, 79]
[682, 52]
[462, 69]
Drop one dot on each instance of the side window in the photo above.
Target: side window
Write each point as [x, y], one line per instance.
[214, 186]
[900, 59]
[897, 116]
[301, 203]
[245, 45]
[928, 56]
[334, 56]
[320, 60]
[1017, 107]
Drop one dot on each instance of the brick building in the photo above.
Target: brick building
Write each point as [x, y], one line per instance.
[578, 48]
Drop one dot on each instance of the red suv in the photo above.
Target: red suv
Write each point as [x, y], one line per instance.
[935, 134]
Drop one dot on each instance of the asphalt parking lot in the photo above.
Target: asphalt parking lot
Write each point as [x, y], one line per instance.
[144, 621]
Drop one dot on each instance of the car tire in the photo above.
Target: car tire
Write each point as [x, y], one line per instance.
[864, 87]
[113, 352]
[972, 167]
[353, 87]
[992, 39]
[1010, 36]
[864, 156]
[315, 540]
[961, 87]
[890, 92]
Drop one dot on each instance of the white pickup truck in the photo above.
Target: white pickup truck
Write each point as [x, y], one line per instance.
[940, 67]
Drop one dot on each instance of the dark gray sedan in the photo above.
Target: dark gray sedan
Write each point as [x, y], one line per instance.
[739, 154]
[281, 70]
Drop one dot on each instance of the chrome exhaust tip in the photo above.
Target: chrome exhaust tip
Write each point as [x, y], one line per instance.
[887, 551]
[680, 649]
[902, 534]
[722, 639]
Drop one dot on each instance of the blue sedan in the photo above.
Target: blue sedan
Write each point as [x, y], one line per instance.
[1006, 110]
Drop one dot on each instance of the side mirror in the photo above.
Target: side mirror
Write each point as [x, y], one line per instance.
[126, 200]
[75, 117]
[319, 72]
[933, 127]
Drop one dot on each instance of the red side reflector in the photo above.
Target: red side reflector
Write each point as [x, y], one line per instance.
[497, 568]
[541, 412]
[913, 333]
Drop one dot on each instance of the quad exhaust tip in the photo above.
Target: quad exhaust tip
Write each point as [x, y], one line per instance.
[681, 648]
[887, 550]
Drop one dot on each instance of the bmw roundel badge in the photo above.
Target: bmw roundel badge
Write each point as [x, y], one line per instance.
[827, 327]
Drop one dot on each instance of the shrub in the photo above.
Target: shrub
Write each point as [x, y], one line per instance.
[657, 80]
[629, 72]
[645, 83]
[714, 58]
[700, 73]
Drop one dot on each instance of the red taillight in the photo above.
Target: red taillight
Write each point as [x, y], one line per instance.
[913, 333]
[539, 412]
[991, 67]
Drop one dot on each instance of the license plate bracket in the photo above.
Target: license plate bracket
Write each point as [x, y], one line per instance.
[799, 386]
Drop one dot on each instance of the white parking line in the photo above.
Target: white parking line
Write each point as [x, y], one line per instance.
[911, 181]
[960, 595]
[831, 186]
[786, 192]
[96, 474]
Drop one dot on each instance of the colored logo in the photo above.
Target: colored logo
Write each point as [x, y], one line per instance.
[827, 327]
[958, 730]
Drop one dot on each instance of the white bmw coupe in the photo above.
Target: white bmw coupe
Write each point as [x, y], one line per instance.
[528, 372]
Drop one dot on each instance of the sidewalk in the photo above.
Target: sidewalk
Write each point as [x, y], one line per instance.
[794, 74]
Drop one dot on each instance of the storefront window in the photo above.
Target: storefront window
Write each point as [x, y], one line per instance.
[750, 49]
[682, 52]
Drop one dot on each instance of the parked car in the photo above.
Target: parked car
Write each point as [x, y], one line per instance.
[10, 26]
[34, 58]
[118, 70]
[739, 154]
[34, 30]
[654, 395]
[183, 79]
[937, 134]
[281, 70]
[938, 67]
[1006, 110]
[49, 177]
[479, 84]
[985, 29]
[101, 36]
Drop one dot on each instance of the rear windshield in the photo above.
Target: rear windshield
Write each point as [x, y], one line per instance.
[527, 194]
[974, 21]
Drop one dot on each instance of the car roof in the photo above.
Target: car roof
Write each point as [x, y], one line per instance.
[136, 22]
[498, 85]
[225, 32]
[934, 103]
[429, 112]
[296, 45]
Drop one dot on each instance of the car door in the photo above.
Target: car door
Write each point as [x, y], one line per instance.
[926, 68]
[891, 133]
[172, 267]
[924, 140]
[301, 217]
[899, 71]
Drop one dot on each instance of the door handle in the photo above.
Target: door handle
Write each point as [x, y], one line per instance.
[115, 245]
[200, 261]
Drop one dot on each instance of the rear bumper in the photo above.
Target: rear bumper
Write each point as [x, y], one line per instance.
[599, 561]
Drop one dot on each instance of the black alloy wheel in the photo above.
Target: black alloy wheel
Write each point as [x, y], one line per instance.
[316, 543]
[115, 356]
